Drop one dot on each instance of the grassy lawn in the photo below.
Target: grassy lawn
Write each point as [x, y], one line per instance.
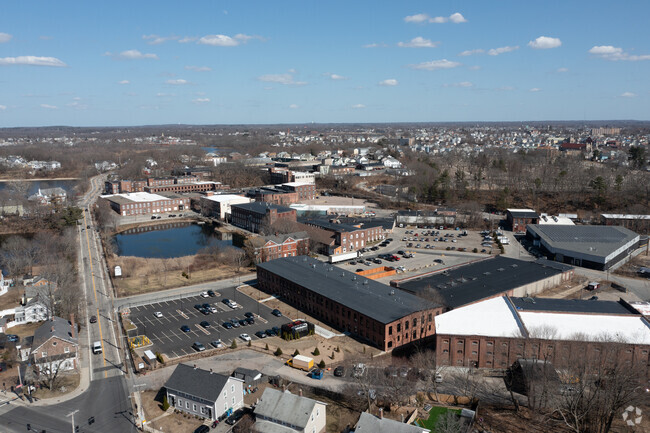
[434, 414]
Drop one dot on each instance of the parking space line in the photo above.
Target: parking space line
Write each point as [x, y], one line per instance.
[205, 331]
[182, 314]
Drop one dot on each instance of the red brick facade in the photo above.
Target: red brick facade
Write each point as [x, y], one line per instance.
[272, 250]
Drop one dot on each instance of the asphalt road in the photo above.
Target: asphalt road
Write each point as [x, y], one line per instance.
[106, 400]
[167, 337]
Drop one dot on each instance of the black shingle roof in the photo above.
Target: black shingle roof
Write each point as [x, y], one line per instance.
[475, 281]
[368, 297]
[196, 382]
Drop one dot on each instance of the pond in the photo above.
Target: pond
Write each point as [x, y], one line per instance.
[167, 240]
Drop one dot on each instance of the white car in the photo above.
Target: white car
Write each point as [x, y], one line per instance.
[212, 309]
[245, 337]
[205, 295]
[158, 314]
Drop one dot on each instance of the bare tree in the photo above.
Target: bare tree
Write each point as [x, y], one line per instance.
[449, 423]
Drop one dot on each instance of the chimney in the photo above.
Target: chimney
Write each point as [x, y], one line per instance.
[73, 326]
[300, 392]
[381, 413]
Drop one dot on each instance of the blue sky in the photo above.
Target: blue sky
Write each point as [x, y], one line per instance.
[222, 62]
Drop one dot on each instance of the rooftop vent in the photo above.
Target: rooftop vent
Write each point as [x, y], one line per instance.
[500, 269]
[514, 265]
[487, 273]
[392, 293]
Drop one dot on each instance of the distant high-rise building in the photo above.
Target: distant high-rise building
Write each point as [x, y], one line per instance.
[605, 131]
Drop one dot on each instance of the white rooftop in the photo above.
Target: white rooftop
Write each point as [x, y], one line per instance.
[626, 216]
[641, 307]
[520, 210]
[557, 220]
[493, 317]
[587, 327]
[297, 183]
[138, 196]
[225, 197]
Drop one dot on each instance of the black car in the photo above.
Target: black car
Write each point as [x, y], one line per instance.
[243, 322]
[93, 319]
[205, 324]
[250, 320]
[202, 429]
[260, 334]
[185, 328]
[232, 419]
[211, 293]
[205, 311]
[206, 306]
[249, 314]
[377, 261]
[234, 323]
[400, 252]
[270, 333]
[227, 325]
[198, 307]
[226, 301]
[339, 371]
[277, 313]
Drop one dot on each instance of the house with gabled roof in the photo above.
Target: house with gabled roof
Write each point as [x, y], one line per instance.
[280, 245]
[55, 346]
[284, 412]
[204, 393]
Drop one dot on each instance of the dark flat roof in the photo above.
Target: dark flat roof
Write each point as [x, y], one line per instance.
[570, 306]
[326, 225]
[370, 298]
[261, 207]
[475, 281]
[523, 214]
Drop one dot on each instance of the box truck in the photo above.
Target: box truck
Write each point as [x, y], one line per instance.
[301, 362]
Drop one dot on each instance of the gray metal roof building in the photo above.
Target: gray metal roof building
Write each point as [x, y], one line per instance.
[480, 280]
[285, 409]
[597, 247]
[370, 298]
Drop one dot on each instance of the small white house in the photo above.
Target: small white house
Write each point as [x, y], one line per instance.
[283, 411]
[35, 310]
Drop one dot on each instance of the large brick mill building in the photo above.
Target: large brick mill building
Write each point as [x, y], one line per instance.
[385, 317]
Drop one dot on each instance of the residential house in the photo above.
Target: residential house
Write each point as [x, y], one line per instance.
[204, 393]
[283, 412]
[369, 423]
[49, 196]
[283, 245]
[55, 346]
[35, 310]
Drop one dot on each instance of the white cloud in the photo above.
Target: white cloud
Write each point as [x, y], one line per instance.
[471, 52]
[165, 95]
[293, 106]
[178, 82]
[336, 77]
[609, 52]
[418, 18]
[226, 41]
[49, 107]
[562, 69]
[544, 43]
[3, 107]
[455, 18]
[201, 100]
[461, 84]
[198, 68]
[187, 39]
[124, 82]
[132, 55]
[32, 61]
[285, 79]
[418, 42]
[628, 95]
[375, 45]
[501, 50]
[505, 88]
[434, 65]
[5, 37]
[77, 105]
[358, 106]
[389, 82]
[535, 89]
[155, 39]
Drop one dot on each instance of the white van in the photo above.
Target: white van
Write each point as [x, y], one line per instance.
[97, 347]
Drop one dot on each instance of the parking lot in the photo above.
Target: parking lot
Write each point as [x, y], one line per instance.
[165, 331]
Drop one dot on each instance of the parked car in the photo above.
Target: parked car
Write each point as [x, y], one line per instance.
[158, 314]
[234, 323]
[185, 328]
[276, 330]
[205, 295]
[211, 293]
[250, 320]
[198, 306]
[339, 371]
[217, 344]
[198, 346]
[93, 319]
[13, 338]
[205, 324]
[245, 337]
[202, 428]
[249, 314]
[277, 313]
[260, 334]
[270, 333]
[227, 325]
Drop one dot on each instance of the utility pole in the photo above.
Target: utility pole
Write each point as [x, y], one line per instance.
[71, 414]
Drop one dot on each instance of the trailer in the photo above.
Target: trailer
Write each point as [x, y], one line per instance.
[345, 256]
[301, 362]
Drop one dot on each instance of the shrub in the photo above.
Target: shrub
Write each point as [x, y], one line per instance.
[233, 345]
[278, 352]
[249, 343]
[338, 349]
[296, 353]
[266, 347]
[316, 352]
[165, 404]
[159, 357]
[475, 250]
[321, 364]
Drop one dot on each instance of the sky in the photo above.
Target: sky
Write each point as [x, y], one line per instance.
[142, 62]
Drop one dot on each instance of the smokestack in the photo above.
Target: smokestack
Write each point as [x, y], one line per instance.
[73, 326]
[381, 413]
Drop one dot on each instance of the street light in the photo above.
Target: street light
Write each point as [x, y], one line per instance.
[71, 414]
